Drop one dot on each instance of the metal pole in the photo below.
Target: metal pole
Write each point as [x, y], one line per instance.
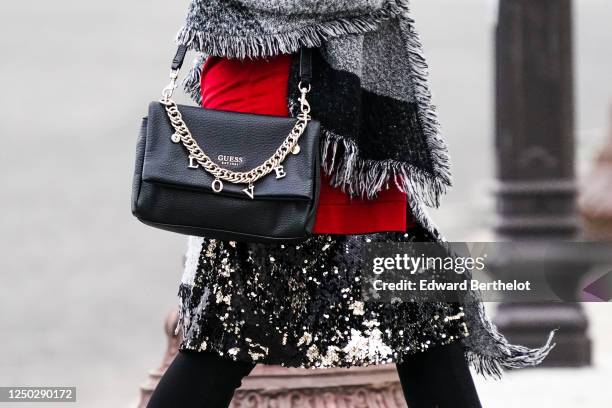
[536, 194]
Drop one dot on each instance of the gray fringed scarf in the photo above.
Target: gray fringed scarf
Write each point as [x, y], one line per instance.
[370, 89]
[370, 94]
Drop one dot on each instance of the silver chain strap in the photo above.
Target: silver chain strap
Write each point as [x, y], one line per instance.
[183, 135]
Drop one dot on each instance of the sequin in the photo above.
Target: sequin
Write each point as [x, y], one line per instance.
[302, 306]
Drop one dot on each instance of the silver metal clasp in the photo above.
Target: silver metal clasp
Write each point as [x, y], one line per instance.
[169, 89]
[304, 105]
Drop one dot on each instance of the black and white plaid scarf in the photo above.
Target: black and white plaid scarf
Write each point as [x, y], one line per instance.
[370, 89]
[371, 95]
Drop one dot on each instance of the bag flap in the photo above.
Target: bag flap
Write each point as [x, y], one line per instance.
[236, 141]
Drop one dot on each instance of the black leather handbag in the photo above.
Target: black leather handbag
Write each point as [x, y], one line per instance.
[228, 175]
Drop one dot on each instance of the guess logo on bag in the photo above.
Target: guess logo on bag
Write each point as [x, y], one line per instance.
[222, 159]
[227, 160]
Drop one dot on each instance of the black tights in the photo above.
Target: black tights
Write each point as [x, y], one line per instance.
[436, 378]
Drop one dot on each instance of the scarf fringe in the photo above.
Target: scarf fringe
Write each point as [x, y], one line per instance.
[440, 177]
[366, 178]
[311, 36]
[192, 303]
[192, 263]
[184, 310]
[191, 83]
[419, 213]
[500, 354]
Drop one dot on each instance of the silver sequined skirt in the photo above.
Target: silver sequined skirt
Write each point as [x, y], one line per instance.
[302, 305]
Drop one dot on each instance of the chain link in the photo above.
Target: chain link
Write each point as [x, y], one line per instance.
[220, 173]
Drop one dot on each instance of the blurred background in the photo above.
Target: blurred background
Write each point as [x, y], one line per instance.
[85, 287]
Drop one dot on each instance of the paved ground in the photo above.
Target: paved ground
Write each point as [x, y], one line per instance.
[560, 388]
[85, 287]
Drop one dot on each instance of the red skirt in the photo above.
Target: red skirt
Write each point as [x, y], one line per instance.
[260, 87]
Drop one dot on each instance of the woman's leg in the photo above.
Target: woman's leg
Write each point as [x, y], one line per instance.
[199, 380]
[439, 377]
